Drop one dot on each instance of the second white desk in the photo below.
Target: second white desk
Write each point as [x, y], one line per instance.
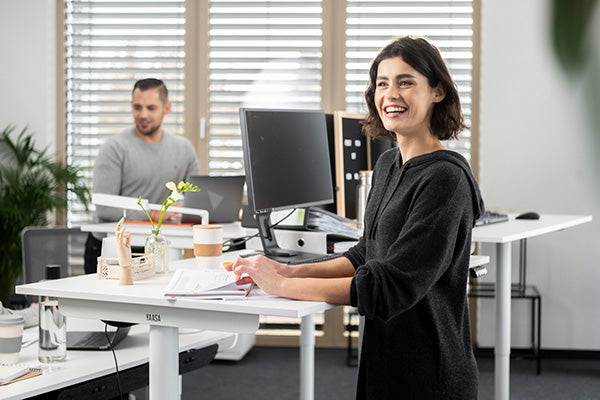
[503, 234]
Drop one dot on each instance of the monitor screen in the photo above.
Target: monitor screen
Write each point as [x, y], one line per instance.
[286, 157]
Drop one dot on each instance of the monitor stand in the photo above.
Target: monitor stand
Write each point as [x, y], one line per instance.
[272, 250]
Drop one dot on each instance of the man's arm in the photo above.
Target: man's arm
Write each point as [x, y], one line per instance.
[107, 179]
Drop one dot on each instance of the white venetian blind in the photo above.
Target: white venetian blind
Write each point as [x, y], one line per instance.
[262, 54]
[373, 24]
[109, 45]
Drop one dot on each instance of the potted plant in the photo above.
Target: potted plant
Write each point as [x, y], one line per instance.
[31, 185]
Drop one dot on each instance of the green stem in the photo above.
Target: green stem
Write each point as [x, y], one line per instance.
[146, 212]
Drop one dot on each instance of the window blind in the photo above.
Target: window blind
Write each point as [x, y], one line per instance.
[262, 54]
[373, 24]
[108, 46]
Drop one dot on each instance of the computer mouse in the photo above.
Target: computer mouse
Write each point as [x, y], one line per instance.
[528, 215]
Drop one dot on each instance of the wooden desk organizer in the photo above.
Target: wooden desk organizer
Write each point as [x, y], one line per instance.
[143, 267]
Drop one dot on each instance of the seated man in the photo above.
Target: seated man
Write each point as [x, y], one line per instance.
[139, 161]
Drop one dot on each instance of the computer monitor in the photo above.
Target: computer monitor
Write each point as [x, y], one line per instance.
[286, 157]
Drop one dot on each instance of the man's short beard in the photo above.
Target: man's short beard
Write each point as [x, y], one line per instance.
[149, 133]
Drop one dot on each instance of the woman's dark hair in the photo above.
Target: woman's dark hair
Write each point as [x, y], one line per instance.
[447, 119]
[152, 83]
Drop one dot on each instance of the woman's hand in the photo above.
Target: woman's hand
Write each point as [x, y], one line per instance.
[260, 270]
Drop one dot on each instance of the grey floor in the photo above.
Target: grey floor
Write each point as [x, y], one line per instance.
[272, 373]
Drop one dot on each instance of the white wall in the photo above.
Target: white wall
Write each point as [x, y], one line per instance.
[27, 70]
[537, 153]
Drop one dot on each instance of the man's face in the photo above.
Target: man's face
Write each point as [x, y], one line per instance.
[148, 111]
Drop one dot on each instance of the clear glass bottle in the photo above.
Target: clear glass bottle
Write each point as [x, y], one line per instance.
[157, 244]
[362, 193]
[52, 325]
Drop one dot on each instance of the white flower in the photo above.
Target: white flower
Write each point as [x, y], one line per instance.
[171, 186]
[176, 196]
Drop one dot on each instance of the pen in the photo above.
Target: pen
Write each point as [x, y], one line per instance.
[249, 289]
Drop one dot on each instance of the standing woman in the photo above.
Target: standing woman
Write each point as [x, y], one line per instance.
[408, 273]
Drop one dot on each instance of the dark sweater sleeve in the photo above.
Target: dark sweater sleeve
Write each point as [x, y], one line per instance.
[386, 286]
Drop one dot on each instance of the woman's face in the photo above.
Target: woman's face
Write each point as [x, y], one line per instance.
[404, 99]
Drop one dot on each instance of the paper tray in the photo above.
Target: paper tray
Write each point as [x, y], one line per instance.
[143, 267]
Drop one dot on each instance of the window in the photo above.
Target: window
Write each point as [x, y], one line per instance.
[108, 46]
[261, 54]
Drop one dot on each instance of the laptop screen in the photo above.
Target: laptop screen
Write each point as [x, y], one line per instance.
[221, 196]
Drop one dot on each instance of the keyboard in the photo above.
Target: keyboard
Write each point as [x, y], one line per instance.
[490, 217]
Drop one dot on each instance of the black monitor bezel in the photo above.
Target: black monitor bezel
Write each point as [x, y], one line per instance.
[247, 162]
[265, 228]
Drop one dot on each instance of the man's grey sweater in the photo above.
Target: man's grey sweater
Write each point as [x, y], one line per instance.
[128, 166]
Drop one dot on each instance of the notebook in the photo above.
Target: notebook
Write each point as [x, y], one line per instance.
[9, 373]
[95, 340]
[221, 196]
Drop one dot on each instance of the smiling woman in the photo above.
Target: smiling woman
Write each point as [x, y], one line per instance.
[407, 274]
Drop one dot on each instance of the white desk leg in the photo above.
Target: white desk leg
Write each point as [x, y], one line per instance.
[502, 347]
[164, 362]
[307, 358]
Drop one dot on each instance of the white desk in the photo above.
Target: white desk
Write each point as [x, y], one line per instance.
[179, 236]
[86, 296]
[82, 366]
[503, 234]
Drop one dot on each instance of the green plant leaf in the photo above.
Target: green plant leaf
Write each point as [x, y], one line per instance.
[31, 185]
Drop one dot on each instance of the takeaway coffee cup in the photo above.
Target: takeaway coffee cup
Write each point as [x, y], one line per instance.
[208, 246]
[11, 336]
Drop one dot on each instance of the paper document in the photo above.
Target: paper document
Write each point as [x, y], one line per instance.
[210, 284]
[325, 221]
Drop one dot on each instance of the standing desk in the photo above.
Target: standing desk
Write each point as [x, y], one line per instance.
[503, 234]
[144, 303]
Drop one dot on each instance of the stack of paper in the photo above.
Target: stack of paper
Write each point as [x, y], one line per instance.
[210, 285]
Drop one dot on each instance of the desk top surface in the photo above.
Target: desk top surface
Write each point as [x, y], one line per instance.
[81, 366]
[517, 229]
[150, 292]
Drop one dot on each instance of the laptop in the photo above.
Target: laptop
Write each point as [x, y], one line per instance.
[221, 196]
[95, 340]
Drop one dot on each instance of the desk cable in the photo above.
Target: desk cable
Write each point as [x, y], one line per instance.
[231, 243]
[115, 357]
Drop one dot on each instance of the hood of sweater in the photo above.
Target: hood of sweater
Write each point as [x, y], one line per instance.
[456, 159]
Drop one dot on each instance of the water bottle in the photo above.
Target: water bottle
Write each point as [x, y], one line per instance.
[362, 192]
[53, 325]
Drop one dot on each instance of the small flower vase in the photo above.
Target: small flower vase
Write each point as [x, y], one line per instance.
[157, 244]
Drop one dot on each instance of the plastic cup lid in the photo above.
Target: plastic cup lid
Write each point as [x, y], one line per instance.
[11, 319]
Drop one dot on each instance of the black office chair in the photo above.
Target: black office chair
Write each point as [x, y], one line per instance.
[44, 245]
